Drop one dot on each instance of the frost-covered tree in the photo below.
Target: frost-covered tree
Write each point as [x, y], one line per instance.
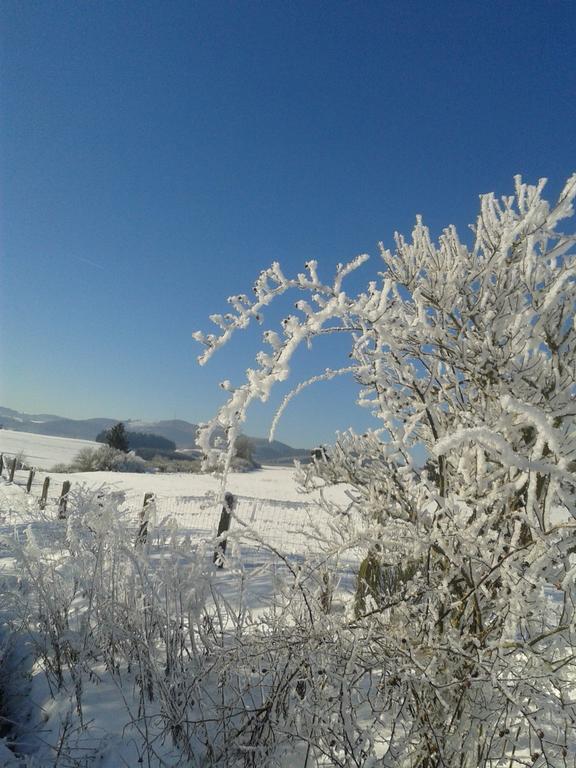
[244, 448]
[465, 605]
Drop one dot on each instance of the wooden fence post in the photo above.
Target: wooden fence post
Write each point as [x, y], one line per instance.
[223, 526]
[12, 470]
[62, 504]
[29, 483]
[44, 497]
[144, 516]
[1, 464]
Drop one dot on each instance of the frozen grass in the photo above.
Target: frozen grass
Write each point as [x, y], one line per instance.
[121, 650]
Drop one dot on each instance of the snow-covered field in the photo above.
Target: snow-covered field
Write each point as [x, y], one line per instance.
[269, 501]
[41, 451]
[268, 483]
[109, 723]
[116, 651]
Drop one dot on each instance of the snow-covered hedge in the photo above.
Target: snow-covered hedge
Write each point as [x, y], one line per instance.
[103, 459]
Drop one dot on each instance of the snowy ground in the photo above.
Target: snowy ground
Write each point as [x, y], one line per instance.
[269, 483]
[270, 503]
[65, 596]
[269, 500]
[41, 451]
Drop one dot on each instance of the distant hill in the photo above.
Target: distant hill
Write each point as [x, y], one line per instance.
[276, 452]
[84, 429]
[6, 413]
[183, 433]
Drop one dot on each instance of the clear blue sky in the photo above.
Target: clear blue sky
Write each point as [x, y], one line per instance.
[155, 156]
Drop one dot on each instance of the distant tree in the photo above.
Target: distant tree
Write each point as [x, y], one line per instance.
[244, 448]
[115, 437]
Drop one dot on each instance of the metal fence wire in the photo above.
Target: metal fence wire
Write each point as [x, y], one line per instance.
[289, 526]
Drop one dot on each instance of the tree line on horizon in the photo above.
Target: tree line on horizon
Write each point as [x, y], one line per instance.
[143, 443]
[120, 438]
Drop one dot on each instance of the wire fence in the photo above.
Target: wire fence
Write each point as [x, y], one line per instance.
[293, 528]
[263, 532]
[288, 526]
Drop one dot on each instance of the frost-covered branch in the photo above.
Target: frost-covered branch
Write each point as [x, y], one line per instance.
[467, 351]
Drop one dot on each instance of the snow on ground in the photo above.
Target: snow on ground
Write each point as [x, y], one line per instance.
[41, 451]
[276, 483]
[269, 502]
[110, 703]
[113, 736]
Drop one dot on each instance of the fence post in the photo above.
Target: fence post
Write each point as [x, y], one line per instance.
[223, 526]
[12, 470]
[44, 497]
[143, 530]
[29, 483]
[62, 504]
[1, 464]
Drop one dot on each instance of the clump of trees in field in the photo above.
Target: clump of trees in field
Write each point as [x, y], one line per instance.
[123, 440]
[104, 459]
[157, 452]
[116, 437]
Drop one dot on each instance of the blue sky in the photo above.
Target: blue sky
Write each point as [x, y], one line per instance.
[155, 156]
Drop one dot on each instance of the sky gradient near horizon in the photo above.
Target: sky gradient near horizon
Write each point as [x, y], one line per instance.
[155, 156]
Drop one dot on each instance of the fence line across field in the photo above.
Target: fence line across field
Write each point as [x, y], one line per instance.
[290, 526]
[11, 471]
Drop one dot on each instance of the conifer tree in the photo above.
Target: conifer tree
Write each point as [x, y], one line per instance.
[116, 437]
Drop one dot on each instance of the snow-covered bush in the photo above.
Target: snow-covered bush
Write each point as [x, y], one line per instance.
[104, 459]
[454, 648]
[465, 604]
[201, 680]
[151, 627]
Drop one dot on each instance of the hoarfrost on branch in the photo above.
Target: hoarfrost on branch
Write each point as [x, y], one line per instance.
[464, 614]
